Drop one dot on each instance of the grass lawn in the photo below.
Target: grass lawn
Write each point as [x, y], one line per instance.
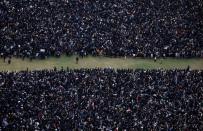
[100, 62]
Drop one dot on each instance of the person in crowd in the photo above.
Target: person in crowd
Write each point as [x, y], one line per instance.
[77, 59]
[102, 99]
[4, 57]
[110, 28]
[155, 59]
[9, 61]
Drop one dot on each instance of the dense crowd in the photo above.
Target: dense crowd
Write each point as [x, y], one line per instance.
[145, 28]
[102, 99]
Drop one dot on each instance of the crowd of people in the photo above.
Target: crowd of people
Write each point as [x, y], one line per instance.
[102, 99]
[143, 28]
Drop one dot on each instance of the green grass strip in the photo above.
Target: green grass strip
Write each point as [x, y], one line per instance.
[18, 64]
